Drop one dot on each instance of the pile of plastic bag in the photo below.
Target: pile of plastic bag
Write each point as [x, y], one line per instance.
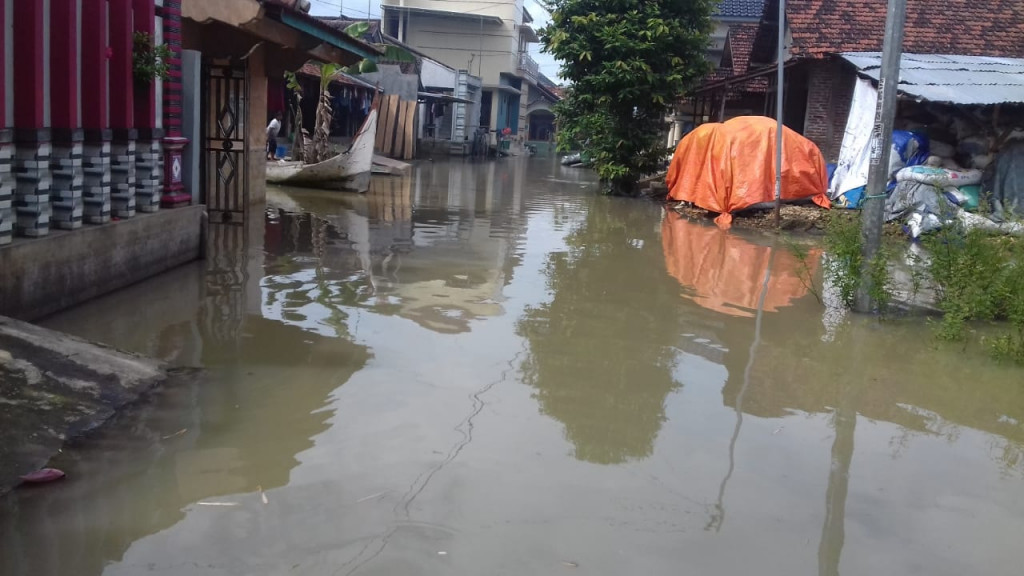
[927, 198]
[908, 149]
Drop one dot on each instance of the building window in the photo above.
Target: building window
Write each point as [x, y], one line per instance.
[391, 23]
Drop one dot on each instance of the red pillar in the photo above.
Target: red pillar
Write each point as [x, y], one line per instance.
[31, 93]
[172, 87]
[3, 64]
[95, 118]
[122, 102]
[148, 160]
[122, 110]
[64, 64]
[29, 65]
[174, 193]
[94, 68]
[6, 140]
[66, 196]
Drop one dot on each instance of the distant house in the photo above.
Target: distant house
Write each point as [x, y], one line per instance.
[819, 82]
[735, 23]
[449, 98]
[489, 38]
[730, 15]
[540, 110]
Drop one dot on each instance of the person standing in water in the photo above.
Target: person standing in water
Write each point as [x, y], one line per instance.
[272, 131]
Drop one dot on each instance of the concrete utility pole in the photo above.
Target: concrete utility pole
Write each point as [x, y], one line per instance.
[872, 215]
[779, 111]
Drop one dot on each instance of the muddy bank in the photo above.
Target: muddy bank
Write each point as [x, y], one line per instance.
[55, 388]
[807, 218]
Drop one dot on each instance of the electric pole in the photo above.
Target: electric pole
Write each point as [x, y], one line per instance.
[780, 61]
[872, 214]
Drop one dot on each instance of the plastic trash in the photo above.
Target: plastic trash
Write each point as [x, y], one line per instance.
[851, 199]
[966, 197]
[911, 147]
[939, 177]
[43, 476]
[1007, 183]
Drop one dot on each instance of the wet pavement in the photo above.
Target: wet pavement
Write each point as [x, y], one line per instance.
[487, 369]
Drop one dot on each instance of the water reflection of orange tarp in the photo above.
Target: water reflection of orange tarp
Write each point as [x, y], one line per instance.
[725, 272]
[731, 166]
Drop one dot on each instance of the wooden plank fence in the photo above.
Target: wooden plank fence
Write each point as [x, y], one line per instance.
[396, 128]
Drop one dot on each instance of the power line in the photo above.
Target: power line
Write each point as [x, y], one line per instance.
[350, 10]
[491, 2]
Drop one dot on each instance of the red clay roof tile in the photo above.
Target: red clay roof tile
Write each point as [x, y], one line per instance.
[961, 27]
[741, 42]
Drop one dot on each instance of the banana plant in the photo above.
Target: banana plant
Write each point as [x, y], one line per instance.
[324, 114]
[299, 151]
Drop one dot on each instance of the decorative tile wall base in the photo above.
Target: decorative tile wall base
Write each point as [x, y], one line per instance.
[122, 179]
[96, 184]
[149, 168]
[66, 194]
[32, 190]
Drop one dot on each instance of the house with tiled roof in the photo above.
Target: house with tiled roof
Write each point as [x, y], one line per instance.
[820, 83]
[728, 15]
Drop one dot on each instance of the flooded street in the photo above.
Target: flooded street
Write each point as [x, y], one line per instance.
[488, 369]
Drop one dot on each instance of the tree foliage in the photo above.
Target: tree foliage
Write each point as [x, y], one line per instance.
[627, 62]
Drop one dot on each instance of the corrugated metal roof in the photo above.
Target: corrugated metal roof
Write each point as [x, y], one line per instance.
[979, 80]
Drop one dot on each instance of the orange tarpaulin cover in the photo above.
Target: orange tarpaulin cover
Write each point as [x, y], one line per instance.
[725, 273]
[730, 166]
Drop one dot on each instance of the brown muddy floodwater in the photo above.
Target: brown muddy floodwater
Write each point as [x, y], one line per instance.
[485, 369]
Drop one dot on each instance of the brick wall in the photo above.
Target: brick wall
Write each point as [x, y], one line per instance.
[829, 93]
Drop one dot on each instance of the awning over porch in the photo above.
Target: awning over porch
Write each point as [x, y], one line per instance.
[233, 28]
[435, 97]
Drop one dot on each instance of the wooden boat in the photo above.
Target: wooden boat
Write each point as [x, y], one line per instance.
[349, 171]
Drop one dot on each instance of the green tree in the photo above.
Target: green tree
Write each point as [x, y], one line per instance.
[627, 62]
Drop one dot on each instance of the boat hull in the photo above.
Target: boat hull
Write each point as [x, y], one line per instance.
[349, 171]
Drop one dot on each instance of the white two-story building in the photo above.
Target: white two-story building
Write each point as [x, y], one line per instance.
[489, 38]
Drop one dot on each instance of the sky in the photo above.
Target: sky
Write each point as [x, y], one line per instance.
[360, 9]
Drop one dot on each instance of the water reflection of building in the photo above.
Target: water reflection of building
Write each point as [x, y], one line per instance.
[205, 436]
[441, 266]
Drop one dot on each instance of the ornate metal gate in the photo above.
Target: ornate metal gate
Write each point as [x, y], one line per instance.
[225, 137]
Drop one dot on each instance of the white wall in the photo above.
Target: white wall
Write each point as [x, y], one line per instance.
[191, 82]
[438, 75]
[484, 48]
[511, 10]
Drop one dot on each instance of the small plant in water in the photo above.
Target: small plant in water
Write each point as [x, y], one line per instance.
[978, 277]
[845, 266]
[805, 270]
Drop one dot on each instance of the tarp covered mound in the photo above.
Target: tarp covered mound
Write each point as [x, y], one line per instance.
[730, 167]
